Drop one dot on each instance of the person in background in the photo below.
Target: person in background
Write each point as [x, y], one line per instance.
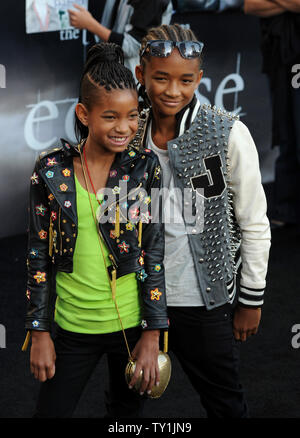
[280, 45]
[124, 22]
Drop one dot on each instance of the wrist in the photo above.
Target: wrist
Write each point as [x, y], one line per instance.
[37, 335]
[93, 25]
[151, 334]
[98, 29]
[245, 307]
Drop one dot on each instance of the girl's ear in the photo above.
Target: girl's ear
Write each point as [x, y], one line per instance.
[82, 113]
[139, 74]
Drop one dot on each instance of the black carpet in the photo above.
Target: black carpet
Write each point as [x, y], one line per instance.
[269, 363]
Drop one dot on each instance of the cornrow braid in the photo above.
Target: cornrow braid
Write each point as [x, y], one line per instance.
[171, 32]
[104, 68]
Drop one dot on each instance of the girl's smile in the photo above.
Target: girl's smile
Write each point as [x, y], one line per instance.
[112, 120]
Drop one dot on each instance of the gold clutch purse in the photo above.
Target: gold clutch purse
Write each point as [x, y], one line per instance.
[164, 365]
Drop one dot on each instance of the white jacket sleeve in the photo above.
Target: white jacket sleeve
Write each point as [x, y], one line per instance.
[250, 209]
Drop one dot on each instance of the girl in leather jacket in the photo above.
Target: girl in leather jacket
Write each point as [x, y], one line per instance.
[96, 250]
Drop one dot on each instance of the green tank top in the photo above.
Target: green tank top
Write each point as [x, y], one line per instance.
[84, 303]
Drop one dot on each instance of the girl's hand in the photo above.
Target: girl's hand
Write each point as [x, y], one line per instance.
[245, 322]
[42, 356]
[146, 355]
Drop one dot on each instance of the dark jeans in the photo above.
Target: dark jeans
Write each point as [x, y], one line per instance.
[76, 357]
[204, 344]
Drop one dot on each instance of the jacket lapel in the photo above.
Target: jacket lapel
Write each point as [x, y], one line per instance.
[59, 177]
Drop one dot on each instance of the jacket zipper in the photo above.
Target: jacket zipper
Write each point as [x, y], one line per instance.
[111, 257]
[121, 199]
[59, 229]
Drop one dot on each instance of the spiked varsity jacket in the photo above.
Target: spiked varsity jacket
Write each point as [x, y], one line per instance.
[213, 158]
[133, 246]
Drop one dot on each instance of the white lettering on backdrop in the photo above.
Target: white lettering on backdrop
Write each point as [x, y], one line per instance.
[2, 76]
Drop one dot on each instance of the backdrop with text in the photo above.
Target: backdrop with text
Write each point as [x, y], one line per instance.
[39, 77]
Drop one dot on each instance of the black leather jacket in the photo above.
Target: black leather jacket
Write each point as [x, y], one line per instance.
[53, 229]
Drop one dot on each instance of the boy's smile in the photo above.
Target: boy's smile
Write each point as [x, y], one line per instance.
[170, 82]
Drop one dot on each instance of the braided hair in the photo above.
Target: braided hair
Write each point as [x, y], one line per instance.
[171, 32]
[104, 68]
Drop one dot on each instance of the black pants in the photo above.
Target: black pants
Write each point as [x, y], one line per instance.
[76, 357]
[204, 344]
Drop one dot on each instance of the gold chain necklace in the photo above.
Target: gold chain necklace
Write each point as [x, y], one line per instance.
[112, 281]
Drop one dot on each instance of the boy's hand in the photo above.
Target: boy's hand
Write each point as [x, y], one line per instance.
[146, 355]
[245, 322]
[82, 18]
[42, 355]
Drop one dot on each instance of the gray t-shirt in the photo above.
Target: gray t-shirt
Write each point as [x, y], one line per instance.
[181, 282]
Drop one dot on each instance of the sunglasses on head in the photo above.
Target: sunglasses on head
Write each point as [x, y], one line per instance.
[164, 48]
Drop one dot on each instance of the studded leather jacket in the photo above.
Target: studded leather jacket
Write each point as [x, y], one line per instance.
[219, 177]
[133, 246]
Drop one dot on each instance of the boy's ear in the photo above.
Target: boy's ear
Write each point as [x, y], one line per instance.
[82, 113]
[139, 74]
[199, 77]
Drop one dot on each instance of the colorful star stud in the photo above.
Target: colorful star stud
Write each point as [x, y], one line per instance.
[134, 213]
[155, 294]
[141, 260]
[67, 204]
[49, 174]
[157, 268]
[112, 234]
[144, 324]
[33, 253]
[142, 275]
[53, 215]
[66, 173]
[124, 247]
[40, 277]
[63, 187]
[129, 226]
[35, 323]
[34, 178]
[146, 217]
[51, 161]
[157, 172]
[43, 234]
[40, 210]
